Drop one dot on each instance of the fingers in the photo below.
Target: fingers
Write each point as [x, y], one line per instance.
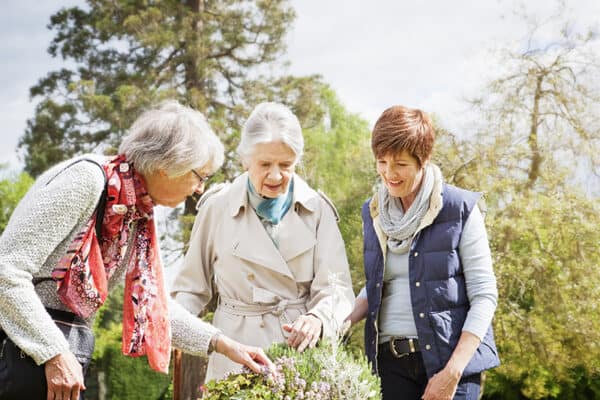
[297, 333]
[259, 355]
[74, 394]
[304, 332]
[439, 387]
[250, 356]
[250, 363]
[63, 393]
[64, 377]
[430, 389]
[314, 341]
[304, 344]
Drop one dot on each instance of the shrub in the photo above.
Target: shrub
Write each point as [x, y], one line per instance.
[326, 372]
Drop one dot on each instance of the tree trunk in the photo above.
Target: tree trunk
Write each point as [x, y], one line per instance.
[532, 140]
[188, 375]
[189, 371]
[101, 385]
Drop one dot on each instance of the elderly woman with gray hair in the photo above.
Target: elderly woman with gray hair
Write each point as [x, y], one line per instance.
[87, 225]
[268, 247]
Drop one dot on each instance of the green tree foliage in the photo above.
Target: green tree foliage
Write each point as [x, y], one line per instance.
[124, 55]
[113, 375]
[12, 189]
[339, 162]
[535, 157]
[546, 252]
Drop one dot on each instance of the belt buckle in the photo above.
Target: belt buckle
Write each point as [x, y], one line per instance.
[411, 347]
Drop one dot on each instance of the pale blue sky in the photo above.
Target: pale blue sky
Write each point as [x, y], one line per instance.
[429, 54]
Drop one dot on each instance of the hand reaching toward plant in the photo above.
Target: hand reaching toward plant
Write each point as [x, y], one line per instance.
[304, 332]
[250, 356]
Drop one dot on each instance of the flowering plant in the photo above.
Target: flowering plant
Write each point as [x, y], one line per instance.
[326, 372]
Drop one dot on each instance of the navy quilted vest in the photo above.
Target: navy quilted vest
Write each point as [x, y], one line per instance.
[437, 286]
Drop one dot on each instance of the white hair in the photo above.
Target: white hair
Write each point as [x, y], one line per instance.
[271, 122]
[173, 138]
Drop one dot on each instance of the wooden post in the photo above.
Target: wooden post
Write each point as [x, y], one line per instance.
[188, 374]
[176, 374]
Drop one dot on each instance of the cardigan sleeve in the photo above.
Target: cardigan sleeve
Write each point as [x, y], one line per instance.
[48, 215]
[190, 333]
[192, 290]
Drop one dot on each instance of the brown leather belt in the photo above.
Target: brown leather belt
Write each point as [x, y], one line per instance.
[401, 346]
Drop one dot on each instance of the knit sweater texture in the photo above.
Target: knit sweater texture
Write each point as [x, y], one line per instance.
[54, 210]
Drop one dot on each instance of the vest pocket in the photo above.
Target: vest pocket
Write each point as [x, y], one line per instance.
[449, 293]
[447, 327]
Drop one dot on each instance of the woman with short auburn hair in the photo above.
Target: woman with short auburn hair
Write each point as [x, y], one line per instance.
[430, 292]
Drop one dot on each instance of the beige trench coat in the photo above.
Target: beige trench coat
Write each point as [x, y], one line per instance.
[260, 287]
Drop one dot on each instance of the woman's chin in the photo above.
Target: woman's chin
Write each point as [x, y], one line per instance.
[271, 193]
[396, 191]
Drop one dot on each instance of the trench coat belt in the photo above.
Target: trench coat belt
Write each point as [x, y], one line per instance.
[236, 307]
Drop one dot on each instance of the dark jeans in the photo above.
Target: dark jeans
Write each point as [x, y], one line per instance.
[405, 378]
[21, 378]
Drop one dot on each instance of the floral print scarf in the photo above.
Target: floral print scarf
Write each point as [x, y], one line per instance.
[82, 274]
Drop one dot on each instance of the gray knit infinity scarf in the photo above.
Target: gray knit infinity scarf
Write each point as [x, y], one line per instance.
[399, 226]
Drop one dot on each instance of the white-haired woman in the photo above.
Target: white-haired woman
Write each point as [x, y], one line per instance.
[268, 246]
[87, 225]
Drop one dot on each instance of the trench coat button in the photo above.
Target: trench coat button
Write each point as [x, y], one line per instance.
[416, 254]
[373, 313]
[377, 284]
[250, 276]
[417, 284]
[421, 315]
[427, 347]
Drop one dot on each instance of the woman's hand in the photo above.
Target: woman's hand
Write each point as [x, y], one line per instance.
[250, 356]
[64, 377]
[442, 385]
[304, 332]
[359, 312]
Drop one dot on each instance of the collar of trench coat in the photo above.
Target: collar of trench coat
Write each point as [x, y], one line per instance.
[295, 237]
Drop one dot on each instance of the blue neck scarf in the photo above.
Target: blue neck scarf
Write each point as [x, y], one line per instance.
[271, 210]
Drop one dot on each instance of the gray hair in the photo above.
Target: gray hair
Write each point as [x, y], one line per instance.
[173, 138]
[271, 122]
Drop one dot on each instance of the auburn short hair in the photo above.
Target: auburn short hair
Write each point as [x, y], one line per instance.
[401, 128]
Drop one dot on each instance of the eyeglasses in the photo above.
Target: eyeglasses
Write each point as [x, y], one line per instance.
[201, 178]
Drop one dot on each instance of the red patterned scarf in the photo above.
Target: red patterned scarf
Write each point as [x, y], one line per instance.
[83, 273]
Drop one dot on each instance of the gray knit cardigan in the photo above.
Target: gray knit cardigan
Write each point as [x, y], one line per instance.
[41, 228]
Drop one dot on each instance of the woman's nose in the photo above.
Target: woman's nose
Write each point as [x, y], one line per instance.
[275, 173]
[389, 170]
[199, 188]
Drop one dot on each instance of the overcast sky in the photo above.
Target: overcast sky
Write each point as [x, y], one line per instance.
[429, 54]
